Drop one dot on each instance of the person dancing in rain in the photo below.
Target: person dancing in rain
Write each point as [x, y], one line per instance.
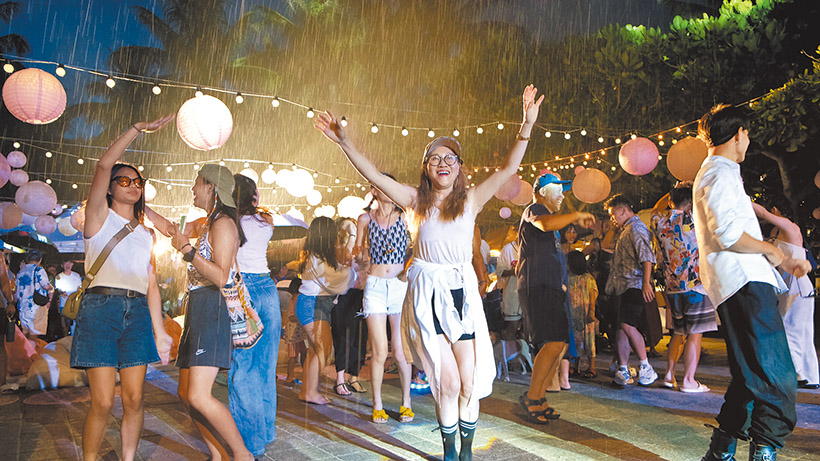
[443, 319]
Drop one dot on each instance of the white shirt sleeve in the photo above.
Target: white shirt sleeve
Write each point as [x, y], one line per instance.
[721, 195]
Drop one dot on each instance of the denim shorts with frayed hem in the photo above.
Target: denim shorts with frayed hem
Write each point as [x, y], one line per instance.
[113, 331]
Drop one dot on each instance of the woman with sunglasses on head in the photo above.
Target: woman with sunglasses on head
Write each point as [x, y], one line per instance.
[383, 229]
[443, 318]
[122, 304]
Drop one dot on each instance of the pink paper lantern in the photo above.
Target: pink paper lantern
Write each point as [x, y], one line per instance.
[638, 156]
[77, 219]
[36, 198]
[34, 96]
[11, 215]
[591, 186]
[685, 157]
[816, 213]
[509, 190]
[579, 169]
[18, 177]
[65, 228]
[45, 224]
[817, 179]
[16, 159]
[505, 212]
[204, 122]
[524, 196]
[5, 171]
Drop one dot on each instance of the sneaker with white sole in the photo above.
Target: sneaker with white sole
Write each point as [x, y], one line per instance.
[621, 377]
[647, 375]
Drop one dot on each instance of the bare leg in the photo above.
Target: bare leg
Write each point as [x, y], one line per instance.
[675, 349]
[101, 381]
[377, 330]
[218, 452]
[563, 374]
[691, 356]
[449, 385]
[401, 360]
[321, 341]
[544, 368]
[630, 335]
[133, 414]
[464, 352]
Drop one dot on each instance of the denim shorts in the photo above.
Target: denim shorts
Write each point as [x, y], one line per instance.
[383, 296]
[313, 308]
[113, 331]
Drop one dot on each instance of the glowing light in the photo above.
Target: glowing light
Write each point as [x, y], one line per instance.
[73, 186]
[198, 92]
[600, 139]
[374, 129]
[613, 168]
[456, 132]
[548, 134]
[80, 161]
[343, 121]
[500, 126]
[141, 168]
[49, 154]
[222, 163]
[8, 67]
[48, 181]
[168, 187]
[677, 130]
[169, 168]
[275, 102]
[110, 82]
[156, 89]
[404, 131]
[479, 130]
[431, 133]
[634, 136]
[310, 113]
[583, 132]
[617, 140]
[60, 71]
[16, 145]
[567, 135]
[239, 98]
[196, 166]
[660, 143]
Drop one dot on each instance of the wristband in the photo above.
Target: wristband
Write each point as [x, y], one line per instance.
[138, 130]
[518, 137]
[186, 245]
[189, 256]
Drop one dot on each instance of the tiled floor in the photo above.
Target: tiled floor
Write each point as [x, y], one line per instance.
[597, 422]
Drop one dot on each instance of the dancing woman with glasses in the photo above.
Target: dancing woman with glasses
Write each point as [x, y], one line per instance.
[122, 304]
[443, 321]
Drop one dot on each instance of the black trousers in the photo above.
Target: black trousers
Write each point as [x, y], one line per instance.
[349, 332]
[760, 400]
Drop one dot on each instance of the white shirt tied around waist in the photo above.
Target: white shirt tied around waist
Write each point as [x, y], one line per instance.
[419, 336]
[722, 213]
[252, 257]
[127, 265]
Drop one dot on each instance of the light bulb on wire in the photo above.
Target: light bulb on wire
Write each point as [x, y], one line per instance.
[156, 89]
[80, 161]
[198, 92]
[567, 135]
[404, 131]
[633, 136]
[583, 132]
[110, 82]
[310, 113]
[479, 130]
[500, 126]
[275, 101]
[343, 121]
[548, 134]
[431, 133]
[49, 154]
[600, 139]
[456, 132]
[239, 98]
[374, 129]
[60, 71]
[617, 140]
[8, 67]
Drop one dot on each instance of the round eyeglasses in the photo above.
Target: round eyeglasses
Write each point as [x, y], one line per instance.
[449, 159]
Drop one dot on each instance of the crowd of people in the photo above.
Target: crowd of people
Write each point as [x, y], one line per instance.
[409, 277]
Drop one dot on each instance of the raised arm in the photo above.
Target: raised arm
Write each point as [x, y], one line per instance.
[789, 231]
[96, 208]
[402, 194]
[483, 192]
[551, 222]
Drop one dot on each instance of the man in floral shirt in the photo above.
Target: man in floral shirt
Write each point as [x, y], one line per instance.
[692, 312]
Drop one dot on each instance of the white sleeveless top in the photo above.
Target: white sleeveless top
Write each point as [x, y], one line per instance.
[127, 265]
[450, 242]
[252, 256]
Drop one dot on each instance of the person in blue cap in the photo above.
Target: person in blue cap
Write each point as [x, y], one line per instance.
[542, 288]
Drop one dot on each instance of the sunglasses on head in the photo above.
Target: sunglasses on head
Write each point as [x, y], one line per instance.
[125, 181]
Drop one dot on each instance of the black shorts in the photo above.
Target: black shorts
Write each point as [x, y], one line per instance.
[206, 337]
[458, 302]
[545, 314]
[631, 306]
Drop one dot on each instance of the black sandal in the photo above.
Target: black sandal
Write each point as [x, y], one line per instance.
[344, 388]
[355, 386]
[531, 416]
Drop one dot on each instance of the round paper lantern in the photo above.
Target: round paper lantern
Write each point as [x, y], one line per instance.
[250, 173]
[77, 219]
[329, 211]
[524, 196]
[34, 96]
[314, 197]
[300, 183]
[505, 212]
[351, 207]
[509, 190]
[57, 210]
[5, 170]
[16, 159]
[45, 224]
[283, 177]
[294, 213]
[638, 156]
[579, 169]
[36, 198]
[685, 157]
[816, 213]
[18, 177]
[150, 192]
[11, 215]
[591, 186]
[204, 122]
[269, 176]
[64, 226]
[817, 179]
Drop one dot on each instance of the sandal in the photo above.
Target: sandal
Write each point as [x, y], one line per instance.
[533, 416]
[589, 374]
[380, 416]
[341, 389]
[406, 415]
[355, 386]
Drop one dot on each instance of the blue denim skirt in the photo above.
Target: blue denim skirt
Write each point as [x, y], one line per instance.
[113, 331]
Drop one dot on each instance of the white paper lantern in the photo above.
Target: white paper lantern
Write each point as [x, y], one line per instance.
[34, 96]
[204, 122]
[36, 198]
[328, 211]
[300, 183]
[314, 197]
[269, 176]
[351, 207]
[250, 173]
[10, 215]
[16, 159]
[5, 170]
[64, 226]
[18, 177]
[150, 192]
[283, 178]
[294, 213]
[45, 224]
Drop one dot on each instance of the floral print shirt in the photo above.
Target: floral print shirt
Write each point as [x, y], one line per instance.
[675, 231]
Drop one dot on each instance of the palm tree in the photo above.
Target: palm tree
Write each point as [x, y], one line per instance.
[12, 43]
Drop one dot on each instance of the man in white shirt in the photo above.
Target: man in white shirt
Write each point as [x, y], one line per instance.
[67, 282]
[737, 270]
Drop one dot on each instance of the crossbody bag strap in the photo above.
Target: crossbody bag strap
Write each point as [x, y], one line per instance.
[117, 238]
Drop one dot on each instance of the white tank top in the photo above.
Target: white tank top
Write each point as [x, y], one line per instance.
[127, 265]
[448, 242]
[252, 256]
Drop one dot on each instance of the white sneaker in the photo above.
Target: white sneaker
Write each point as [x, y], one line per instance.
[647, 375]
[621, 377]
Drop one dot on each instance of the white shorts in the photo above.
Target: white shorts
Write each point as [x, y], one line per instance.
[383, 296]
[35, 318]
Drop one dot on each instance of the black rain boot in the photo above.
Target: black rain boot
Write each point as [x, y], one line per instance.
[762, 452]
[722, 447]
[448, 438]
[467, 432]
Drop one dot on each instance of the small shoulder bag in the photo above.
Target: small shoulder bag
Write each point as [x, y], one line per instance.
[246, 326]
[72, 304]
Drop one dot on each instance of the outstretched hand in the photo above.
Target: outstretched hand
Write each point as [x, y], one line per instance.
[330, 127]
[150, 127]
[531, 105]
[585, 220]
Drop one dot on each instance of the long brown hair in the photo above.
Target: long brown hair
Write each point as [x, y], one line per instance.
[452, 207]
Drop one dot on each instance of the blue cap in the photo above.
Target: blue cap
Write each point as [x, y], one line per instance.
[550, 178]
